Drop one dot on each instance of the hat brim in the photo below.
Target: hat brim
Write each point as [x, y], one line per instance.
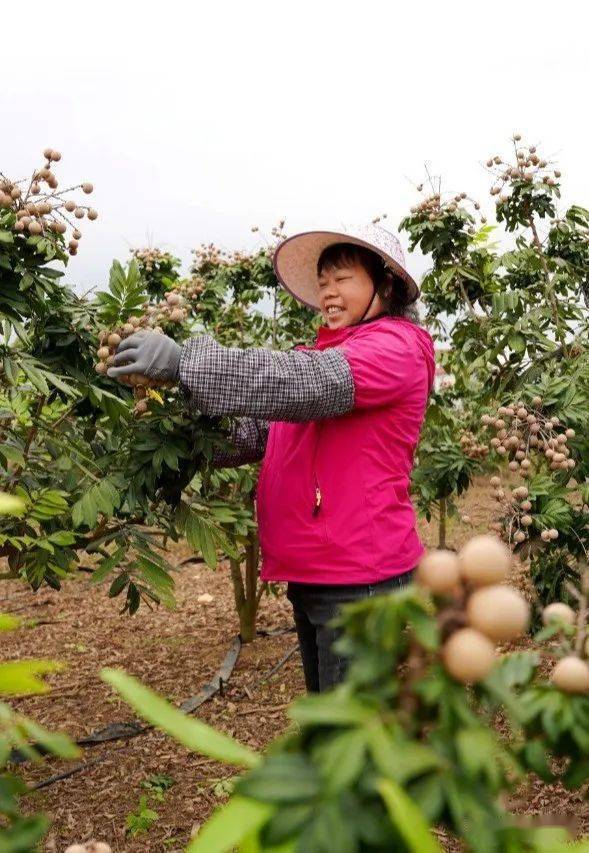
[295, 264]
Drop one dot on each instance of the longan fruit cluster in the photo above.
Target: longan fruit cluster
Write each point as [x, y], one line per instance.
[521, 432]
[150, 257]
[528, 167]
[89, 847]
[483, 610]
[433, 206]
[171, 309]
[571, 672]
[109, 339]
[40, 211]
[472, 448]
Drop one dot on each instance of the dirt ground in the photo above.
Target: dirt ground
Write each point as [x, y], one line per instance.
[175, 652]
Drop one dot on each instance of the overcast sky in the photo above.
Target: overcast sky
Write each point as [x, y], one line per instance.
[197, 121]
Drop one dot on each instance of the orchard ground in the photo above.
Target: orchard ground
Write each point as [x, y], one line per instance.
[175, 652]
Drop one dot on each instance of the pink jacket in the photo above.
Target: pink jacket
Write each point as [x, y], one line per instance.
[333, 495]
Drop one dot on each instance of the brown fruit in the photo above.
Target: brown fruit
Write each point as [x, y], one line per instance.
[100, 368]
[87, 188]
[177, 315]
[128, 329]
[53, 182]
[47, 153]
[571, 674]
[35, 188]
[79, 213]
[173, 298]
[495, 481]
[558, 611]
[73, 244]
[77, 235]
[439, 571]
[15, 193]
[35, 227]
[140, 407]
[114, 340]
[103, 352]
[499, 612]
[92, 214]
[56, 156]
[70, 206]
[468, 655]
[484, 560]
[61, 227]
[76, 848]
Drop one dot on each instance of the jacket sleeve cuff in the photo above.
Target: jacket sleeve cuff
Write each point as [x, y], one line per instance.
[300, 385]
[249, 438]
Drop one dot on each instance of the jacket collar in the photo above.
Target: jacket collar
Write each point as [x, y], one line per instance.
[325, 335]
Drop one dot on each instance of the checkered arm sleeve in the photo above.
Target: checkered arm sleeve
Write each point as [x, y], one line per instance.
[300, 385]
[249, 438]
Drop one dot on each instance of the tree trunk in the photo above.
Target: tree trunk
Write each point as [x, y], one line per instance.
[245, 589]
[442, 527]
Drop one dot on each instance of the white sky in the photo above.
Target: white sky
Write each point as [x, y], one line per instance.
[196, 121]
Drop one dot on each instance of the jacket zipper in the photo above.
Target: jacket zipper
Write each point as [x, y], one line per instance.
[318, 495]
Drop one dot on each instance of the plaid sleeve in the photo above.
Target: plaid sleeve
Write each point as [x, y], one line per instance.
[248, 437]
[300, 385]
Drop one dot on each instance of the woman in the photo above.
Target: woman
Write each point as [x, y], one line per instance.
[337, 425]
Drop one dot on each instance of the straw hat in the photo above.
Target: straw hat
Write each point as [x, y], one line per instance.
[295, 259]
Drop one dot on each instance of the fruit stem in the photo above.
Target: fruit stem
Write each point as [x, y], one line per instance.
[582, 614]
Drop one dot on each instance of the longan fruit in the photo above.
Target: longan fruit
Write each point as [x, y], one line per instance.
[468, 655]
[484, 560]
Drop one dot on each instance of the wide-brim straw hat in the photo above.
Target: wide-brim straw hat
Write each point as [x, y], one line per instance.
[295, 259]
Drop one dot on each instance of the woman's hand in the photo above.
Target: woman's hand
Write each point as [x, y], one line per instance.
[149, 353]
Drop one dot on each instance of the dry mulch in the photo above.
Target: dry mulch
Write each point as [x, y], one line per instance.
[175, 652]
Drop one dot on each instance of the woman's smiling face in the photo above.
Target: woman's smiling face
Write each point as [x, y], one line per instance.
[344, 294]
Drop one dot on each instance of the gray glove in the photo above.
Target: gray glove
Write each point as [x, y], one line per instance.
[148, 353]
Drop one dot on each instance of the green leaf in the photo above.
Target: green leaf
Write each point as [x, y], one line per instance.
[12, 454]
[11, 505]
[106, 565]
[9, 622]
[330, 709]
[6, 236]
[54, 742]
[200, 537]
[282, 778]
[62, 537]
[341, 759]
[229, 825]
[400, 760]
[407, 818]
[193, 734]
[21, 677]
[118, 585]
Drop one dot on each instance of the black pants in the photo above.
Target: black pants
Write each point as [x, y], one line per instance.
[314, 606]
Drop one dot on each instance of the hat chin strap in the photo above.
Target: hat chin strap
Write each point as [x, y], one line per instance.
[368, 307]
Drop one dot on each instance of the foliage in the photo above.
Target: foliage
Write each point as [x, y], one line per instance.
[513, 308]
[399, 747]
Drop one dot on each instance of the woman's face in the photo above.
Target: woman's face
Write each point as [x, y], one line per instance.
[344, 293]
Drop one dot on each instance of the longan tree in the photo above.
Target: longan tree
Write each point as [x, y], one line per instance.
[518, 318]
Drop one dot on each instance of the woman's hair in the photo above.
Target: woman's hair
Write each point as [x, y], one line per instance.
[348, 254]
